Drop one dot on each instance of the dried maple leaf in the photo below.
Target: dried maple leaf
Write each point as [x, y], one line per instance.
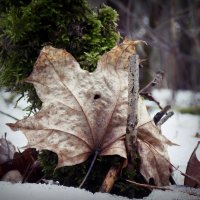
[152, 148]
[82, 112]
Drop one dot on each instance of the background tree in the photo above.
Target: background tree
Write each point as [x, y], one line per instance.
[171, 28]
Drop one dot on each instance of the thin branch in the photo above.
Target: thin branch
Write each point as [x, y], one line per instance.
[146, 91]
[183, 174]
[30, 169]
[8, 115]
[149, 186]
[133, 95]
[159, 188]
[190, 177]
[153, 83]
[160, 114]
[27, 171]
[165, 118]
[111, 177]
[171, 180]
[22, 96]
[42, 179]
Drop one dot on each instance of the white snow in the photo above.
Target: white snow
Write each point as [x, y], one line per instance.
[17, 138]
[181, 98]
[29, 191]
[180, 129]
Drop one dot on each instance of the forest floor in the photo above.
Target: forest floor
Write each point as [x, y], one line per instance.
[182, 129]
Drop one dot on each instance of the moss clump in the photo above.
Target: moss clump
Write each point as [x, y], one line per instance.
[73, 175]
[26, 26]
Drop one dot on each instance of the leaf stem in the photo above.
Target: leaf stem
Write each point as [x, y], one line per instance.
[90, 168]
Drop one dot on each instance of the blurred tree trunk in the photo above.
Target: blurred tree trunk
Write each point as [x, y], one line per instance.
[172, 30]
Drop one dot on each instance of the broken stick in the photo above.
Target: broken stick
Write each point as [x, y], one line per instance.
[133, 95]
[131, 133]
[111, 177]
[146, 91]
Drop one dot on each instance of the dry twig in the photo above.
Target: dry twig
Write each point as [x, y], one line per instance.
[8, 115]
[133, 95]
[146, 91]
[158, 187]
[131, 131]
[165, 118]
[111, 178]
[160, 114]
[149, 186]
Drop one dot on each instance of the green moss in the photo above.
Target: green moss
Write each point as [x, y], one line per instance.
[26, 26]
[194, 110]
[73, 175]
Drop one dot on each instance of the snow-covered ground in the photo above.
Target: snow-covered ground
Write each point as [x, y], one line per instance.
[17, 138]
[26, 191]
[180, 129]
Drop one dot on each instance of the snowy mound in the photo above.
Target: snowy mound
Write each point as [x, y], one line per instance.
[51, 192]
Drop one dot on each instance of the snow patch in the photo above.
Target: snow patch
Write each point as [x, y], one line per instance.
[180, 98]
[17, 138]
[29, 191]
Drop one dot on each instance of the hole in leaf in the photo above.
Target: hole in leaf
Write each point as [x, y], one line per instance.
[97, 96]
[151, 181]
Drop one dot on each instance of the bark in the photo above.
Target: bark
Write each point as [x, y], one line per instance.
[133, 95]
[131, 132]
[111, 178]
